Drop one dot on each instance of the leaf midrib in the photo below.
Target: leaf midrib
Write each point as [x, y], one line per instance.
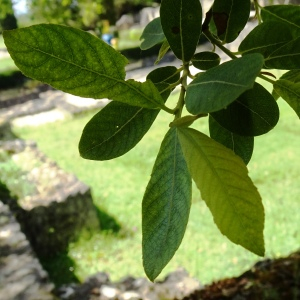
[280, 18]
[86, 69]
[117, 132]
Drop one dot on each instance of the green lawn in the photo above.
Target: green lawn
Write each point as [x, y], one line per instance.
[118, 187]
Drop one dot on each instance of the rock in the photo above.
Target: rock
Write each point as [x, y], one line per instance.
[108, 292]
[130, 295]
[58, 207]
[21, 276]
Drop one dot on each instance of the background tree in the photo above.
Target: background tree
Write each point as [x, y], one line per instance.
[7, 16]
[84, 14]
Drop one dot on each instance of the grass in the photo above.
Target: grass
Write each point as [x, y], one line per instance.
[118, 187]
[2, 45]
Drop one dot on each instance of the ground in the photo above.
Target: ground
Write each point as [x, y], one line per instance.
[268, 279]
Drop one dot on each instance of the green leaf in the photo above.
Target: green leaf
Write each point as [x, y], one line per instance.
[115, 130]
[259, 40]
[293, 76]
[206, 60]
[255, 112]
[162, 51]
[166, 206]
[286, 57]
[225, 186]
[163, 77]
[152, 34]
[230, 17]
[167, 74]
[181, 23]
[288, 14]
[290, 92]
[184, 121]
[78, 63]
[221, 85]
[240, 145]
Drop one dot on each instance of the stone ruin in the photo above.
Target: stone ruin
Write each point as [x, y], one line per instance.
[58, 208]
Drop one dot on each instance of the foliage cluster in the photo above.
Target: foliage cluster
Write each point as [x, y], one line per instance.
[84, 14]
[7, 16]
[237, 108]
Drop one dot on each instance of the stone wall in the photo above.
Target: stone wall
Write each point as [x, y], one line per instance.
[21, 276]
[58, 209]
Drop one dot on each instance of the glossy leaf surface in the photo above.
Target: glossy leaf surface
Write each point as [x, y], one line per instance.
[115, 130]
[166, 206]
[230, 17]
[240, 145]
[288, 14]
[259, 40]
[221, 85]
[290, 92]
[206, 60]
[254, 113]
[152, 34]
[180, 18]
[226, 188]
[78, 63]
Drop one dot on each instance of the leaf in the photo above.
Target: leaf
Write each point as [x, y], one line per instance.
[152, 34]
[293, 76]
[255, 112]
[240, 145]
[230, 17]
[115, 130]
[168, 74]
[162, 51]
[286, 57]
[259, 40]
[184, 121]
[77, 62]
[180, 18]
[287, 14]
[163, 77]
[206, 60]
[225, 186]
[221, 85]
[290, 92]
[166, 206]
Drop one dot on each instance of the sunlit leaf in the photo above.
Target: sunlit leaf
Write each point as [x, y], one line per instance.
[221, 85]
[240, 145]
[288, 14]
[115, 130]
[222, 178]
[206, 60]
[230, 17]
[255, 112]
[166, 206]
[78, 63]
[152, 34]
[287, 57]
[162, 51]
[181, 22]
[259, 40]
[290, 92]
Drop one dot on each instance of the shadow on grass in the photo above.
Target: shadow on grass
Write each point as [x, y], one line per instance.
[61, 269]
[107, 222]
